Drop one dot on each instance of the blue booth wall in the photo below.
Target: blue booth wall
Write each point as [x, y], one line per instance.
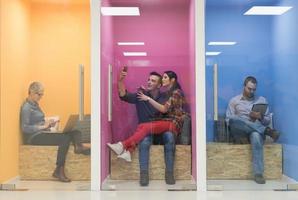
[285, 65]
[267, 48]
[250, 56]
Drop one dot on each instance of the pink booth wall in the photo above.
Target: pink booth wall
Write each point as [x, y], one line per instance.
[192, 80]
[166, 36]
[169, 42]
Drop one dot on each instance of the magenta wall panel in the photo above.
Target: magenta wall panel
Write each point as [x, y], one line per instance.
[167, 28]
[166, 35]
[192, 81]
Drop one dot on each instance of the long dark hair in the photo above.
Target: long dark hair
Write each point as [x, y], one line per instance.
[176, 85]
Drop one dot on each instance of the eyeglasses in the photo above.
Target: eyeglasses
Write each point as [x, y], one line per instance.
[39, 94]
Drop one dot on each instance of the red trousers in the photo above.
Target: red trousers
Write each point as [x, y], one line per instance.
[144, 129]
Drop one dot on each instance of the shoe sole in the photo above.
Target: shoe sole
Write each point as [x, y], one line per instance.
[61, 180]
[124, 159]
[127, 159]
[55, 176]
[260, 182]
[171, 183]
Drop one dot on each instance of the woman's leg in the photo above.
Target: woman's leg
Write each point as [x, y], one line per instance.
[79, 148]
[55, 139]
[155, 127]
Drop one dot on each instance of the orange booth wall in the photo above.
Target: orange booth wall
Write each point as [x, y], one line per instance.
[40, 41]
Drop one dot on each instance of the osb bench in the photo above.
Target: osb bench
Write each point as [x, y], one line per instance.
[122, 170]
[39, 162]
[230, 161]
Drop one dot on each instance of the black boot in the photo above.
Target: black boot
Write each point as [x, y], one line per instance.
[144, 178]
[80, 149]
[59, 173]
[169, 177]
[259, 179]
[274, 134]
[77, 142]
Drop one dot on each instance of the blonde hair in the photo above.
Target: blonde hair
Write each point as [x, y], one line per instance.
[35, 87]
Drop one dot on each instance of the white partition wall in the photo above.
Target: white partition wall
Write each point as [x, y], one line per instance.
[95, 95]
[200, 95]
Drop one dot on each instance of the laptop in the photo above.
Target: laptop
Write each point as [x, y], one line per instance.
[70, 124]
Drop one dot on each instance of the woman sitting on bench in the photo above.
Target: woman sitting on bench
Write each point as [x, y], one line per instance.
[36, 131]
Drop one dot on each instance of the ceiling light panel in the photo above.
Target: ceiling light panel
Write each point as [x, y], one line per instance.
[120, 11]
[213, 53]
[267, 10]
[134, 53]
[221, 43]
[130, 43]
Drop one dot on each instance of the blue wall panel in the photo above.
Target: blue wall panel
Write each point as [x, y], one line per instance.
[290, 161]
[252, 55]
[267, 48]
[285, 62]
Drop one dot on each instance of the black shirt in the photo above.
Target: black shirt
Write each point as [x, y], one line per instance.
[145, 111]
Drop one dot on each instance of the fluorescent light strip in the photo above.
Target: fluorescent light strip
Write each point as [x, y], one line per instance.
[221, 43]
[213, 53]
[130, 43]
[267, 10]
[134, 53]
[120, 11]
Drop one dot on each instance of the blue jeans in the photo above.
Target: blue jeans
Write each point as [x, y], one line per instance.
[169, 151]
[255, 132]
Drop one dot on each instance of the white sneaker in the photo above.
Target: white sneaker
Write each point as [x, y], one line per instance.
[125, 155]
[117, 147]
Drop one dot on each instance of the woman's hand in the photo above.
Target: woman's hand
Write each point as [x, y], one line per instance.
[49, 123]
[53, 122]
[142, 97]
[46, 125]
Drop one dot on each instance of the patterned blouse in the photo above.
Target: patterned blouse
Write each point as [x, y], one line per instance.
[175, 106]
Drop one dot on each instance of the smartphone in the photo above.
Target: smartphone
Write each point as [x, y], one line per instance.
[125, 68]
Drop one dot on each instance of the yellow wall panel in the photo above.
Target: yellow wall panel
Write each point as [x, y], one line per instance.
[40, 42]
[15, 21]
[60, 41]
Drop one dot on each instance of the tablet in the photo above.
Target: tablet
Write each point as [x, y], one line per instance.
[260, 107]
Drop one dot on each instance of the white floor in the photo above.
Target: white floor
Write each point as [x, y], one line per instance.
[148, 195]
[213, 185]
[53, 190]
[181, 185]
[157, 185]
[250, 184]
[53, 185]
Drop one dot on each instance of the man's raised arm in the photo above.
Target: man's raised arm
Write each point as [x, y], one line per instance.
[121, 86]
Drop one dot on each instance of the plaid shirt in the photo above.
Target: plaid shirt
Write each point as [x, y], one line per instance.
[175, 106]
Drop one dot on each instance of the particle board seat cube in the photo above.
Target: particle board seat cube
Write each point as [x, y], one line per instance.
[122, 170]
[231, 161]
[39, 162]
